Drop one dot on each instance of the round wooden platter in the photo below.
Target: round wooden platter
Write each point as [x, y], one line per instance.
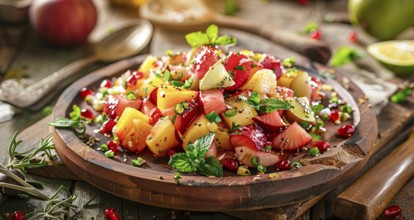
[154, 183]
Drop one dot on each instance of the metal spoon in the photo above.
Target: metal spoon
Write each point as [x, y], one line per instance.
[186, 15]
[128, 40]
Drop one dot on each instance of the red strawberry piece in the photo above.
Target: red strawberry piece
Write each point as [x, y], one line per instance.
[204, 57]
[294, 137]
[111, 214]
[240, 65]
[116, 105]
[251, 136]
[245, 155]
[270, 121]
[272, 63]
[190, 113]
[212, 100]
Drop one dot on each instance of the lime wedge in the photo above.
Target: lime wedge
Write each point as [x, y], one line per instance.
[397, 56]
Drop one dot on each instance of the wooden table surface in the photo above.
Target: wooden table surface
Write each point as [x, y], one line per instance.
[27, 56]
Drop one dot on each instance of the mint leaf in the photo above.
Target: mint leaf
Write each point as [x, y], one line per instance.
[271, 105]
[345, 55]
[212, 32]
[211, 167]
[202, 144]
[182, 163]
[254, 99]
[225, 40]
[61, 123]
[197, 39]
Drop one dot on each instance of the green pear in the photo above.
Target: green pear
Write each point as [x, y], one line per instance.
[383, 19]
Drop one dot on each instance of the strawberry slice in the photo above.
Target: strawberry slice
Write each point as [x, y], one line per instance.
[204, 57]
[240, 65]
[250, 136]
[294, 137]
[269, 62]
[270, 121]
[212, 100]
[115, 105]
[245, 155]
[190, 113]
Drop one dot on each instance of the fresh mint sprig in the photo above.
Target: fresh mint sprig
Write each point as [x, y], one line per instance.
[209, 38]
[266, 105]
[193, 161]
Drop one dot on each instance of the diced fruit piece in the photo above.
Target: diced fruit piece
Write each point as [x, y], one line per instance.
[269, 62]
[301, 111]
[335, 116]
[149, 85]
[222, 139]
[162, 138]
[134, 141]
[240, 66]
[230, 164]
[284, 92]
[198, 128]
[270, 121]
[323, 146]
[125, 124]
[107, 126]
[106, 83]
[216, 77]
[190, 112]
[204, 58]
[177, 59]
[245, 154]
[244, 113]
[286, 79]
[250, 136]
[292, 138]
[263, 82]
[117, 104]
[301, 85]
[212, 100]
[169, 96]
[283, 165]
[154, 116]
[147, 106]
[346, 131]
[87, 113]
[147, 65]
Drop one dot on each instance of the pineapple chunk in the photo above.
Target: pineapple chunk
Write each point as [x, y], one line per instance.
[162, 138]
[263, 82]
[124, 124]
[134, 141]
[222, 139]
[216, 77]
[244, 114]
[197, 129]
[169, 96]
[147, 65]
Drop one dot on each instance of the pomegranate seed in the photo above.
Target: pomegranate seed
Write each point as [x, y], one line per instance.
[111, 214]
[346, 131]
[283, 165]
[303, 2]
[132, 80]
[139, 75]
[321, 145]
[107, 126]
[353, 37]
[85, 92]
[18, 215]
[112, 145]
[315, 34]
[154, 116]
[335, 117]
[392, 212]
[171, 153]
[87, 113]
[230, 164]
[106, 83]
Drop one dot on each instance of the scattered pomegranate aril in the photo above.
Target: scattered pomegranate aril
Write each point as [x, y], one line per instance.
[346, 131]
[113, 145]
[139, 74]
[111, 214]
[132, 80]
[335, 116]
[87, 113]
[322, 146]
[155, 115]
[171, 153]
[107, 126]
[85, 92]
[106, 83]
[230, 164]
[392, 212]
[315, 34]
[283, 165]
[353, 37]
[18, 215]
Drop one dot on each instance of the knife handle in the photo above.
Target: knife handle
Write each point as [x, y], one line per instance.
[315, 50]
[370, 194]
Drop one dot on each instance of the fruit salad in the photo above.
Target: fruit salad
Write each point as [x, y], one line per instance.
[210, 109]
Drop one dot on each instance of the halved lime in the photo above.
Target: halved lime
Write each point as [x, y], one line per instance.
[397, 56]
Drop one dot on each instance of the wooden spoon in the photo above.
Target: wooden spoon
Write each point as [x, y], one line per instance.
[162, 13]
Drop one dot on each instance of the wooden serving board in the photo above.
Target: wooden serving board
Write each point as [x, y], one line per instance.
[155, 185]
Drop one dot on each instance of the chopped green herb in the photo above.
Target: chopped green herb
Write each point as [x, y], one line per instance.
[234, 126]
[188, 83]
[167, 76]
[177, 177]
[177, 83]
[47, 110]
[261, 168]
[266, 105]
[255, 161]
[289, 62]
[75, 114]
[210, 37]
[314, 151]
[230, 112]
[295, 165]
[103, 147]
[402, 95]
[268, 148]
[109, 154]
[131, 96]
[315, 136]
[317, 108]
[312, 26]
[138, 162]
[213, 117]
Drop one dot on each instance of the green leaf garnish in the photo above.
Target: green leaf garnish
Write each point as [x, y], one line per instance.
[213, 117]
[345, 55]
[266, 105]
[75, 114]
[210, 38]
[317, 108]
[192, 160]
